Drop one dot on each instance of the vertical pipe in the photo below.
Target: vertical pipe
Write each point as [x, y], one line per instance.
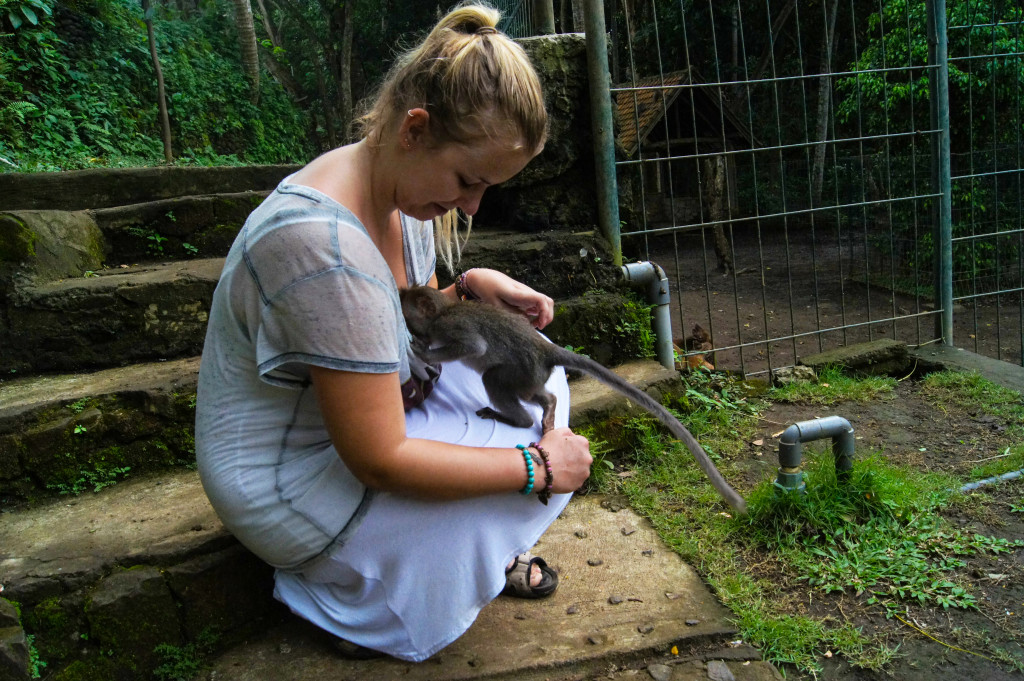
[543, 17]
[601, 126]
[942, 173]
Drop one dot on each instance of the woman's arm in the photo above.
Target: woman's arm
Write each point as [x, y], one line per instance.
[491, 286]
[366, 422]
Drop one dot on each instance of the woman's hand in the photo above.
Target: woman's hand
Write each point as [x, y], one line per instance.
[569, 456]
[499, 289]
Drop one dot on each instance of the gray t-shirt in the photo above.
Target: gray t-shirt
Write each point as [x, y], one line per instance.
[302, 285]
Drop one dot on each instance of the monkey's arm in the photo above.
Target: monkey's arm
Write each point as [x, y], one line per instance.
[369, 435]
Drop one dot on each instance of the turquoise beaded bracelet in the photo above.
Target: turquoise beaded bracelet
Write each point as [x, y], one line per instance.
[529, 470]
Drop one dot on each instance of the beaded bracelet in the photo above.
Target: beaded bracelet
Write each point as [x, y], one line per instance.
[462, 292]
[549, 476]
[525, 491]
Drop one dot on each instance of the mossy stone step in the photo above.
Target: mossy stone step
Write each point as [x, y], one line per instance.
[80, 431]
[119, 315]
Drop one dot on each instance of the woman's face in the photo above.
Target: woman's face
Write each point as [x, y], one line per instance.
[439, 178]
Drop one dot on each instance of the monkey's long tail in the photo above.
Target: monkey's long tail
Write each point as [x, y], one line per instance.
[610, 378]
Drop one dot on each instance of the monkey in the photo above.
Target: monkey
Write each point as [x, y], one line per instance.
[699, 339]
[515, 362]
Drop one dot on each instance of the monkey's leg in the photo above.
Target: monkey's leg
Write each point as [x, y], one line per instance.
[547, 401]
[452, 349]
[504, 396]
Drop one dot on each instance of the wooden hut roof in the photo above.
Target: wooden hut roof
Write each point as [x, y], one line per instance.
[640, 107]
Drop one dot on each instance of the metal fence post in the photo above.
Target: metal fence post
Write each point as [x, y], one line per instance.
[941, 170]
[602, 126]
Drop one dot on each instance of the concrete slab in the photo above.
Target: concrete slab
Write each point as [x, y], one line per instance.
[623, 594]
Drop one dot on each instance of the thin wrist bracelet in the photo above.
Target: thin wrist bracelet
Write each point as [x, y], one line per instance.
[549, 477]
[525, 491]
[462, 292]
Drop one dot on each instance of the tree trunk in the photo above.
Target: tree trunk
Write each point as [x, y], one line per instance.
[715, 198]
[824, 101]
[577, 15]
[247, 43]
[345, 103]
[161, 97]
[279, 72]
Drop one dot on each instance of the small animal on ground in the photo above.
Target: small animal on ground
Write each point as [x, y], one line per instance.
[699, 339]
[515, 363]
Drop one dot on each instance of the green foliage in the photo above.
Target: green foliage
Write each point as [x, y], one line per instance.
[96, 478]
[182, 663]
[35, 665]
[879, 533]
[85, 94]
[890, 93]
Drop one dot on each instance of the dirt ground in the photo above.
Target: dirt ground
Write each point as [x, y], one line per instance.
[793, 292]
[908, 430]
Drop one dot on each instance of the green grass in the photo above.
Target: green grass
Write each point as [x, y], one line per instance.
[970, 391]
[878, 536]
[833, 385]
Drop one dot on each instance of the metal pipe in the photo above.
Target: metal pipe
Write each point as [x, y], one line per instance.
[654, 278]
[791, 476]
[938, 53]
[1012, 475]
[601, 126]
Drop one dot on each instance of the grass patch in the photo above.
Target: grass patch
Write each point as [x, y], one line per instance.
[832, 386]
[877, 536]
[948, 390]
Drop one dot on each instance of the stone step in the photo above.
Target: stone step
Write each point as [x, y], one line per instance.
[150, 549]
[175, 228]
[105, 187]
[79, 431]
[73, 432]
[114, 317]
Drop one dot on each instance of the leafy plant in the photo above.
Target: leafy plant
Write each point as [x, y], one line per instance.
[98, 478]
[20, 11]
[154, 240]
[35, 665]
[182, 663]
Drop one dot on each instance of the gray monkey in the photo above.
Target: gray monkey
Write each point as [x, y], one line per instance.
[515, 362]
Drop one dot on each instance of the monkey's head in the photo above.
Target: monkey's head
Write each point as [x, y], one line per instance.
[420, 306]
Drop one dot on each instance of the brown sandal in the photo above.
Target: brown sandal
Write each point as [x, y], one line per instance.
[517, 578]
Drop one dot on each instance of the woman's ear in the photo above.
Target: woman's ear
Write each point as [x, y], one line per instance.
[415, 128]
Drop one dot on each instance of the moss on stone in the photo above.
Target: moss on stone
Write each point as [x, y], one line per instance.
[97, 668]
[611, 328]
[17, 241]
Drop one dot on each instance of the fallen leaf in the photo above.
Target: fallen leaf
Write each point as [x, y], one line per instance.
[758, 443]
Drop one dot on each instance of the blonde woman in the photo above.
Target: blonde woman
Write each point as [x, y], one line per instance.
[391, 512]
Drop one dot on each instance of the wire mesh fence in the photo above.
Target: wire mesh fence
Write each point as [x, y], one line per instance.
[781, 162]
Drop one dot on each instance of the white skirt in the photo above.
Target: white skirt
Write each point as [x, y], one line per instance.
[415, 574]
